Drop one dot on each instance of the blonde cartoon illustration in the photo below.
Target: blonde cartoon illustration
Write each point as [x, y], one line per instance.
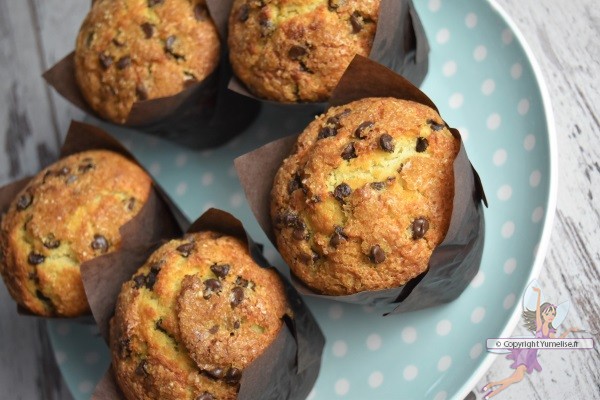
[542, 319]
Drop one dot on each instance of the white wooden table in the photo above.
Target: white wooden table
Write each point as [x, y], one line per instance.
[565, 38]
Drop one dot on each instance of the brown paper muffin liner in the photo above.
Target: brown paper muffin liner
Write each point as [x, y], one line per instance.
[400, 43]
[287, 369]
[453, 263]
[205, 114]
[157, 219]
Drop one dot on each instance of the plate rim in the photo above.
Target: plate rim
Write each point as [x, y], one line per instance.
[544, 243]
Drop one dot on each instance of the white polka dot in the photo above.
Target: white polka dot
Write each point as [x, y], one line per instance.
[63, 329]
[480, 53]
[342, 387]
[434, 5]
[155, 168]
[499, 157]
[478, 279]
[449, 68]
[181, 188]
[312, 394]
[523, 107]
[60, 356]
[475, 351]
[456, 100]
[236, 200]
[92, 358]
[410, 372]
[339, 348]
[443, 327]
[516, 70]
[509, 301]
[207, 178]
[537, 214]
[336, 311]
[441, 396]
[180, 160]
[477, 315]
[529, 142]
[375, 379]
[442, 36]
[493, 121]
[374, 341]
[507, 36]
[508, 229]
[471, 20]
[504, 192]
[409, 334]
[535, 178]
[444, 363]
[208, 206]
[85, 386]
[464, 133]
[510, 265]
[488, 86]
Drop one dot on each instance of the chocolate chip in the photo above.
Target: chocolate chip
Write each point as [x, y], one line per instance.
[220, 270]
[211, 286]
[435, 125]
[338, 237]
[266, 26]
[422, 144]
[362, 130]
[305, 258]
[35, 258]
[64, 171]
[118, 43]
[342, 190]
[186, 249]
[216, 373]
[377, 255]
[349, 152]
[205, 396]
[239, 281]
[152, 276]
[124, 349]
[44, 298]
[148, 30]
[141, 93]
[85, 167]
[236, 325]
[200, 12]
[335, 4]
[419, 228]
[71, 179]
[296, 52]
[237, 295]
[142, 369]
[327, 131]
[387, 143]
[378, 185]
[131, 203]
[159, 327]
[152, 3]
[50, 242]
[295, 183]
[356, 20]
[299, 231]
[24, 201]
[170, 42]
[124, 62]
[214, 329]
[233, 376]
[139, 281]
[243, 13]
[105, 61]
[99, 243]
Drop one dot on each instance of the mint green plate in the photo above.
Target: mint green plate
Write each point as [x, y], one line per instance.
[486, 83]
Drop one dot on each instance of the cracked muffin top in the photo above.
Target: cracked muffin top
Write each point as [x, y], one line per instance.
[366, 196]
[69, 213]
[192, 318]
[134, 50]
[297, 50]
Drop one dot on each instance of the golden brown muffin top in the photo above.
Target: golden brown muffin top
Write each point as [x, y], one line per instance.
[296, 50]
[366, 195]
[134, 50]
[69, 213]
[192, 318]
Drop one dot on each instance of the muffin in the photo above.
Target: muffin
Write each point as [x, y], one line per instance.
[68, 214]
[297, 50]
[192, 318]
[135, 50]
[366, 196]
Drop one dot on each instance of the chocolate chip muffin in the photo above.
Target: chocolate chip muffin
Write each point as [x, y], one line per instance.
[366, 196]
[192, 318]
[69, 213]
[297, 50]
[134, 50]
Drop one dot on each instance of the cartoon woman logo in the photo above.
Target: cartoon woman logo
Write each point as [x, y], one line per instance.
[541, 318]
